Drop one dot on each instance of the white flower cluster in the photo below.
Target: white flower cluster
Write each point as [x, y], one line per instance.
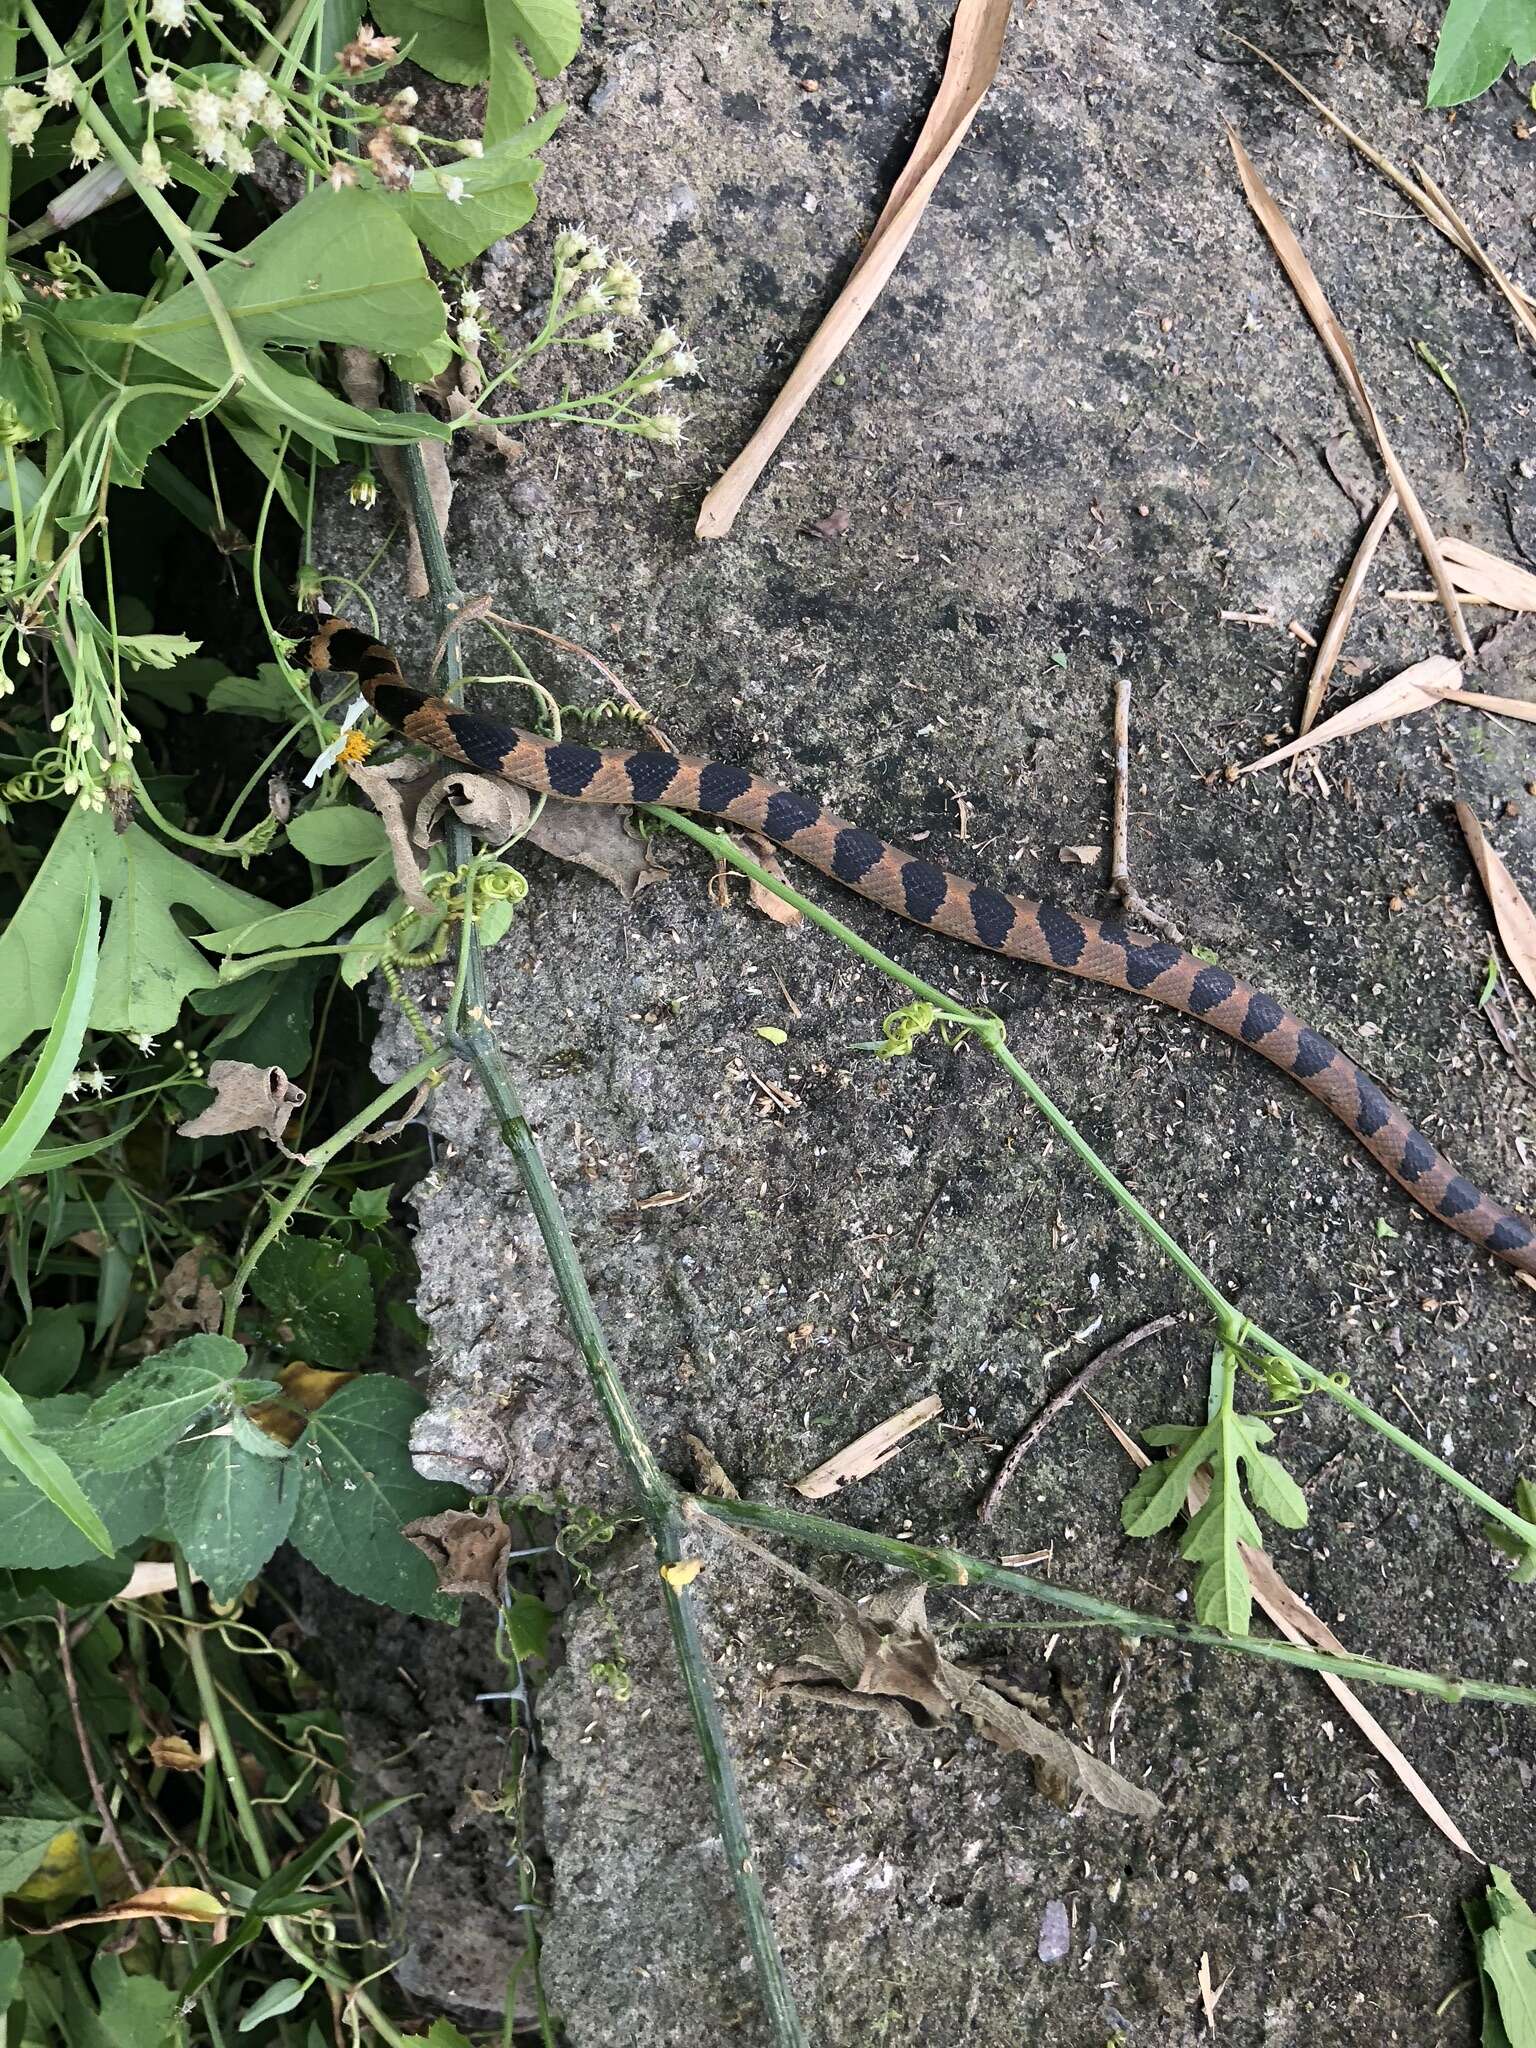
[219, 121]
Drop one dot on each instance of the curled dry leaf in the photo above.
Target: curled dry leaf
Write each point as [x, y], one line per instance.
[766, 854]
[975, 46]
[186, 1301]
[1080, 856]
[245, 1098]
[160, 1902]
[1416, 689]
[175, 1753]
[597, 836]
[867, 1453]
[493, 810]
[1511, 913]
[831, 526]
[399, 791]
[467, 1552]
[713, 1481]
[885, 1651]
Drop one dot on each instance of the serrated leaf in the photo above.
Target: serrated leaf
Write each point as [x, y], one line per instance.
[1271, 1488]
[147, 966]
[359, 1488]
[338, 835]
[24, 1842]
[155, 650]
[229, 1508]
[1222, 1592]
[1477, 39]
[527, 1622]
[324, 1294]
[370, 1207]
[34, 1534]
[1156, 1500]
[39, 1100]
[154, 1404]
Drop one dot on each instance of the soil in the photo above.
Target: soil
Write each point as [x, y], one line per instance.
[1085, 419]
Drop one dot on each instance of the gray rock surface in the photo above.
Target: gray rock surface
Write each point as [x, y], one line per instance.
[1086, 418]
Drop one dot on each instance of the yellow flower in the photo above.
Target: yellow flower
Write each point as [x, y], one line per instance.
[354, 748]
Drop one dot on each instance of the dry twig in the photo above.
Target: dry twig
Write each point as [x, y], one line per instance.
[1136, 908]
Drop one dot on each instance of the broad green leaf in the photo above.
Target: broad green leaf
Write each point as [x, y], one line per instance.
[1477, 39]
[23, 390]
[338, 267]
[12, 1957]
[498, 197]
[1157, 1499]
[444, 2034]
[550, 31]
[35, 1536]
[228, 1508]
[155, 1403]
[367, 947]
[337, 837]
[527, 1622]
[447, 37]
[359, 1487]
[156, 650]
[80, 1585]
[325, 1296]
[268, 694]
[45, 1472]
[147, 965]
[132, 2011]
[46, 1356]
[279, 1030]
[30, 484]
[24, 1841]
[370, 1207]
[306, 924]
[1507, 1958]
[39, 1100]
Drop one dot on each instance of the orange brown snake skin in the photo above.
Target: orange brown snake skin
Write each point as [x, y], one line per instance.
[1043, 934]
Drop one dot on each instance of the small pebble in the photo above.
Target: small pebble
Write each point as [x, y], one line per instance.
[1055, 1942]
[528, 498]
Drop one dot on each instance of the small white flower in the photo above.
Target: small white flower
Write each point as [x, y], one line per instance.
[74, 1084]
[143, 1041]
[470, 302]
[665, 427]
[212, 148]
[684, 363]
[205, 111]
[406, 98]
[595, 299]
[469, 332]
[272, 115]
[237, 156]
[22, 116]
[152, 164]
[472, 147]
[667, 339]
[169, 13]
[159, 91]
[604, 341]
[453, 190]
[94, 1079]
[357, 709]
[59, 85]
[84, 147]
[251, 87]
[570, 243]
[239, 114]
[363, 490]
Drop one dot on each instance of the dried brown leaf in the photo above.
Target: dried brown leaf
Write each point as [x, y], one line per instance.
[867, 1453]
[1416, 689]
[467, 1552]
[245, 1098]
[766, 854]
[1511, 913]
[975, 46]
[599, 837]
[831, 526]
[1489, 577]
[397, 790]
[1332, 643]
[1500, 707]
[159, 1902]
[493, 810]
[186, 1301]
[306, 1388]
[175, 1753]
[1080, 856]
[1304, 283]
[714, 1482]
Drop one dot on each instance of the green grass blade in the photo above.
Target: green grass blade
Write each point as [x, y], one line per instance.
[38, 1103]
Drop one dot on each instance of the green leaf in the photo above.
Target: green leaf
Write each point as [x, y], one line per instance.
[306, 924]
[527, 1622]
[325, 1296]
[46, 1356]
[277, 1999]
[447, 37]
[1223, 1595]
[23, 1843]
[12, 1956]
[156, 650]
[23, 390]
[30, 485]
[359, 1486]
[337, 837]
[338, 267]
[550, 31]
[370, 1207]
[268, 694]
[228, 1507]
[36, 1536]
[45, 1471]
[444, 2034]
[49, 1158]
[147, 965]
[154, 1404]
[132, 2011]
[1157, 1499]
[1477, 39]
[1510, 1541]
[498, 197]
[39, 1100]
[1506, 1953]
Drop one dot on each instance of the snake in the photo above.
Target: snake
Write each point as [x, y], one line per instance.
[1041, 934]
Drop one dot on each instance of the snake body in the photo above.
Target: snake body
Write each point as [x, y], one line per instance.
[1043, 934]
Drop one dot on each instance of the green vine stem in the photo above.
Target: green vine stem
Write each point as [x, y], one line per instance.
[943, 1567]
[471, 1038]
[1233, 1328]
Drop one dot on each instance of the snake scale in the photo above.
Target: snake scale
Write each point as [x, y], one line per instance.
[1043, 934]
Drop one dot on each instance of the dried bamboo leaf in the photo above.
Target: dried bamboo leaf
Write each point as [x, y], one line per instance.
[1416, 689]
[1304, 283]
[867, 1453]
[975, 45]
[1488, 576]
[1511, 913]
[1332, 643]
[1501, 707]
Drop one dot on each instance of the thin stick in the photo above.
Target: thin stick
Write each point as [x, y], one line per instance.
[1059, 1400]
[1137, 909]
[1344, 609]
[88, 1757]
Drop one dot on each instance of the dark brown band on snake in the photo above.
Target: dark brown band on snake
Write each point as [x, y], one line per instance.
[1043, 934]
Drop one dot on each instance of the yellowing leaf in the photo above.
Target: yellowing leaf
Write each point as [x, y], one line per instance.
[772, 1033]
[159, 1902]
[683, 1573]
